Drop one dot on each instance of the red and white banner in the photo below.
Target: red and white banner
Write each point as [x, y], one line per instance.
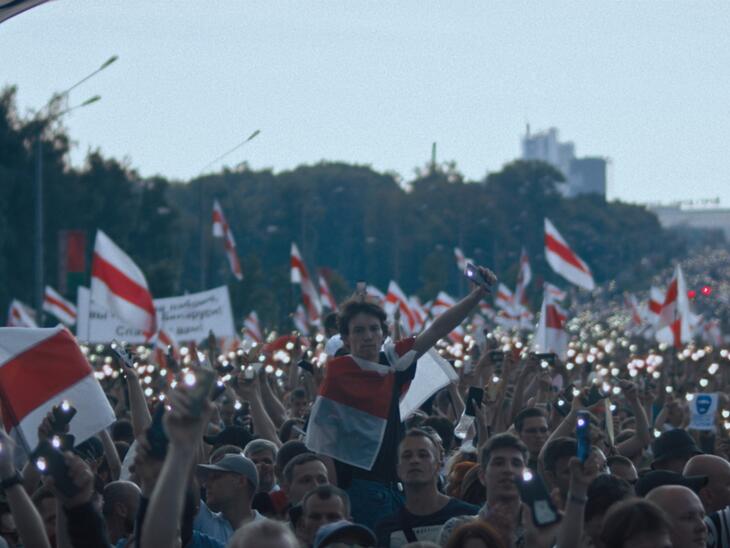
[20, 315]
[554, 291]
[299, 318]
[441, 304]
[654, 309]
[55, 304]
[328, 300]
[675, 321]
[396, 299]
[633, 305]
[551, 335]
[376, 294]
[461, 259]
[419, 313]
[504, 299]
[252, 328]
[222, 230]
[40, 368]
[119, 285]
[300, 275]
[564, 261]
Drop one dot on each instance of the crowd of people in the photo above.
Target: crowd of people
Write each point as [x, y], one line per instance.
[302, 444]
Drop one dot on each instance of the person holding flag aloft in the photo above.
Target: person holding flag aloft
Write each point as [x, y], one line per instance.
[356, 419]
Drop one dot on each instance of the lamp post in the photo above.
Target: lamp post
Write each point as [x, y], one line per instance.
[38, 247]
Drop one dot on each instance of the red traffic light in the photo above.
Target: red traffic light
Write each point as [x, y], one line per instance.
[706, 290]
[691, 293]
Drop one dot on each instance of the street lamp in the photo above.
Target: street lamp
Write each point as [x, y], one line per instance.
[39, 285]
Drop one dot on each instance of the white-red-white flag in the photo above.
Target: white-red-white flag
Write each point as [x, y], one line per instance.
[524, 276]
[55, 304]
[633, 305]
[554, 291]
[441, 304]
[564, 260]
[675, 322]
[119, 285]
[327, 298]
[419, 313]
[551, 335]
[40, 368]
[376, 294]
[20, 315]
[504, 299]
[461, 259]
[252, 328]
[300, 275]
[222, 230]
[654, 308]
[299, 318]
[396, 299]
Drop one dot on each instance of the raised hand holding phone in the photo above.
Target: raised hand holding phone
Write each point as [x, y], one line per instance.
[483, 277]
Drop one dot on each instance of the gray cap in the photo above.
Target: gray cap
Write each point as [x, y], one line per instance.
[234, 464]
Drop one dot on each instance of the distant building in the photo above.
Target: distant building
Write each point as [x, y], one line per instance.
[582, 175]
[672, 216]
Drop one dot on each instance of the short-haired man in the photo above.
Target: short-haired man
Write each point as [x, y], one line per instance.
[715, 496]
[426, 509]
[356, 418]
[302, 474]
[622, 467]
[501, 459]
[685, 512]
[121, 502]
[531, 426]
[322, 505]
[263, 454]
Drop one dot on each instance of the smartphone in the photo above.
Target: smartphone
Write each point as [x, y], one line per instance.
[594, 396]
[218, 390]
[62, 415]
[583, 434]
[534, 493]
[156, 436]
[475, 275]
[171, 361]
[548, 357]
[307, 366]
[122, 354]
[562, 406]
[50, 462]
[493, 388]
[473, 400]
[201, 389]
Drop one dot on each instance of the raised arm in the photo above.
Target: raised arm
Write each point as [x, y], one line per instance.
[642, 438]
[249, 390]
[446, 322]
[141, 418]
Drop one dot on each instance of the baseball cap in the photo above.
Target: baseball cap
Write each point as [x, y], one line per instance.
[234, 464]
[337, 530]
[657, 478]
[231, 435]
[674, 444]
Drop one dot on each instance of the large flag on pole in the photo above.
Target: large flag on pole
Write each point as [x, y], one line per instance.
[654, 308]
[564, 261]
[119, 285]
[55, 304]
[40, 368]
[524, 275]
[222, 230]
[396, 299]
[551, 335]
[675, 321]
[20, 315]
[300, 275]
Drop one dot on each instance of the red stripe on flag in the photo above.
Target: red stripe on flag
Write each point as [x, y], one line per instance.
[60, 304]
[122, 285]
[553, 318]
[563, 252]
[39, 373]
[365, 391]
[655, 307]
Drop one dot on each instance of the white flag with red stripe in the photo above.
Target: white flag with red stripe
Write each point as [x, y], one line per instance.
[441, 303]
[654, 308]
[119, 285]
[222, 230]
[419, 312]
[564, 261]
[396, 299]
[20, 315]
[461, 259]
[376, 294]
[299, 318]
[551, 335]
[300, 275]
[40, 368]
[252, 328]
[504, 299]
[524, 276]
[554, 291]
[328, 300]
[55, 304]
[675, 322]
[633, 305]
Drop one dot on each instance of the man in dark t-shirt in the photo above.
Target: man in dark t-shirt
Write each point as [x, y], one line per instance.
[426, 509]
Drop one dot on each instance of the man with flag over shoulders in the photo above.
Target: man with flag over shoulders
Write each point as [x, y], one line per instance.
[356, 418]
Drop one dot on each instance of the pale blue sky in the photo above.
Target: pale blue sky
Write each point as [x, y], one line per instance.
[644, 83]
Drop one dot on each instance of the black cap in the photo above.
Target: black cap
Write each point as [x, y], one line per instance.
[674, 444]
[231, 435]
[657, 478]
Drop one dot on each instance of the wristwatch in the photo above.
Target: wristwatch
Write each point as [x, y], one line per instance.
[8, 482]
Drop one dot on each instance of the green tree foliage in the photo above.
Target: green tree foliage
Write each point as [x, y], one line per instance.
[351, 221]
